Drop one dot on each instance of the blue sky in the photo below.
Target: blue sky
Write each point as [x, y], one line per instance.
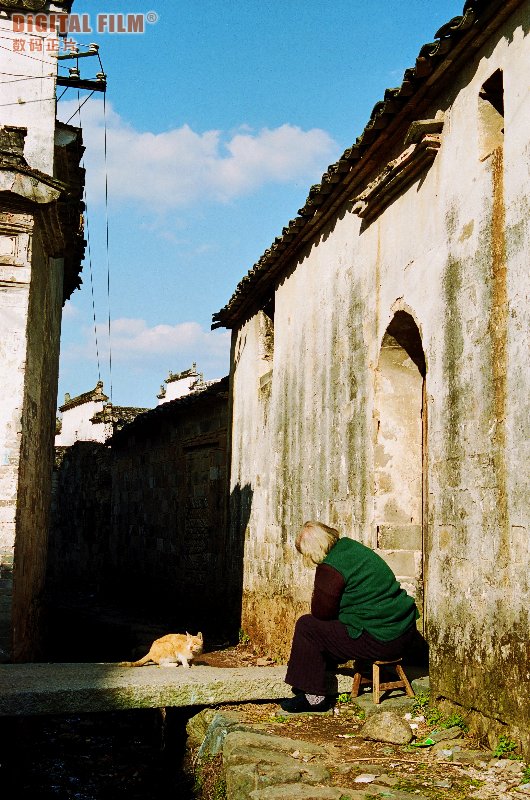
[219, 118]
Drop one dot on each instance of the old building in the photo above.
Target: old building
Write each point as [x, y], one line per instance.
[90, 418]
[139, 519]
[77, 414]
[41, 246]
[182, 383]
[169, 508]
[379, 371]
[80, 523]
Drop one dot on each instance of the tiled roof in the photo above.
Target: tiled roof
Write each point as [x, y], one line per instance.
[68, 153]
[218, 390]
[454, 43]
[119, 415]
[93, 395]
[187, 373]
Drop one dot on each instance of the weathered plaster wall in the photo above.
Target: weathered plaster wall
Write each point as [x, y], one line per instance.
[478, 526]
[31, 300]
[30, 103]
[76, 425]
[452, 251]
[15, 272]
[37, 221]
[36, 450]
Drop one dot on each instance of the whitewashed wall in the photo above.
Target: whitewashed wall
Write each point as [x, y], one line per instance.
[452, 251]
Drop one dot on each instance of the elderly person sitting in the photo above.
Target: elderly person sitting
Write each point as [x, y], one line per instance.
[358, 610]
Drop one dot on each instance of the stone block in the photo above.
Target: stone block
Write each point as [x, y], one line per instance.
[445, 734]
[242, 779]
[400, 703]
[221, 724]
[387, 727]
[442, 745]
[197, 726]
[301, 791]
[422, 684]
[27, 689]
[400, 537]
[401, 562]
[471, 756]
[247, 739]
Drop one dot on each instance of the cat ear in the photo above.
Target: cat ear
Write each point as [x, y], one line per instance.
[188, 634]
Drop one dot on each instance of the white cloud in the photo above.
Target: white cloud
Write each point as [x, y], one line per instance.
[133, 341]
[180, 167]
[135, 337]
[70, 311]
[142, 357]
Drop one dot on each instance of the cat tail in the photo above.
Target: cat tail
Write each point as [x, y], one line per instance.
[138, 663]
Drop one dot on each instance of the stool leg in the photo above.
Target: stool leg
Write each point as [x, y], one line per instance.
[375, 684]
[356, 685]
[408, 688]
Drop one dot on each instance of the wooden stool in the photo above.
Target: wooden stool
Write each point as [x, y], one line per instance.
[375, 682]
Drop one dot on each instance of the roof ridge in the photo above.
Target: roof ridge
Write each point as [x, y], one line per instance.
[430, 57]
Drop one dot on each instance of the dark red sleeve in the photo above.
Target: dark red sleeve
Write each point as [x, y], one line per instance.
[327, 592]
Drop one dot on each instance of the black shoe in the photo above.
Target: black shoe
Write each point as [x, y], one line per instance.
[299, 704]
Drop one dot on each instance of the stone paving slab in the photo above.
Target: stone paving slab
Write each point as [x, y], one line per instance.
[33, 689]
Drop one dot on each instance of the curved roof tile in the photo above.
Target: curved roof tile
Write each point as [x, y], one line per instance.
[431, 55]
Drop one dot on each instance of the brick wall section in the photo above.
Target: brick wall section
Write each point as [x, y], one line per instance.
[80, 520]
[141, 524]
[169, 508]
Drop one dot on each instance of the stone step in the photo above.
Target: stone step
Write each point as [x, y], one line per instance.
[32, 689]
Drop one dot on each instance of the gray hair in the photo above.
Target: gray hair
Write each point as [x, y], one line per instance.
[314, 541]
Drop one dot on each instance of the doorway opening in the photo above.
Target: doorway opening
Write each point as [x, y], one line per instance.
[399, 458]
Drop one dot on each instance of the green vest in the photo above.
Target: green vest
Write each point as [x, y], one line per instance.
[372, 601]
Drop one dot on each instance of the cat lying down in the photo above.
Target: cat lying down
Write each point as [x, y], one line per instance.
[170, 649]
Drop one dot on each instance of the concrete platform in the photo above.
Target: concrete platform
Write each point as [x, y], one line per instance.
[32, 689]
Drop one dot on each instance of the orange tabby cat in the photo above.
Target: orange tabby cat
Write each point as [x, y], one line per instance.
[170, 649]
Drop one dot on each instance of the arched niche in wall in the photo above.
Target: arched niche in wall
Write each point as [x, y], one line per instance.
[399, 452]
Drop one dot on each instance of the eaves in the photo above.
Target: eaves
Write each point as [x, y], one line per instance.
[436, 64]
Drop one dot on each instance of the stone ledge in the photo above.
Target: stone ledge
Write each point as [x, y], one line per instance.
[34, 689]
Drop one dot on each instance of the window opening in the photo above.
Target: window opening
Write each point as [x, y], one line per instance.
[491, 115]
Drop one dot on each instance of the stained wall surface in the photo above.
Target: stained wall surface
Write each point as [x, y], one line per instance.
[30, 102]
[451, 251]
[31, 295]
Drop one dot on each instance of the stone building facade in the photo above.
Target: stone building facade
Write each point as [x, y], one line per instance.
[90, 418]
[41, 246]
[139, 522]
[169, 508]
[77, 413]
[80, 523]
[379, 368]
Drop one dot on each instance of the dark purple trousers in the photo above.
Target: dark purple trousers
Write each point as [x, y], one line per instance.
[319, 645]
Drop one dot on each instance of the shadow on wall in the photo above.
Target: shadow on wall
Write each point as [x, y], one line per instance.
[114, 607]
[240, 505]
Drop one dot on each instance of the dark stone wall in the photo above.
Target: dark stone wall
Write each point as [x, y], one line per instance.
[80, 525]
[169, 511]
[139, 525]
[36, 451]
